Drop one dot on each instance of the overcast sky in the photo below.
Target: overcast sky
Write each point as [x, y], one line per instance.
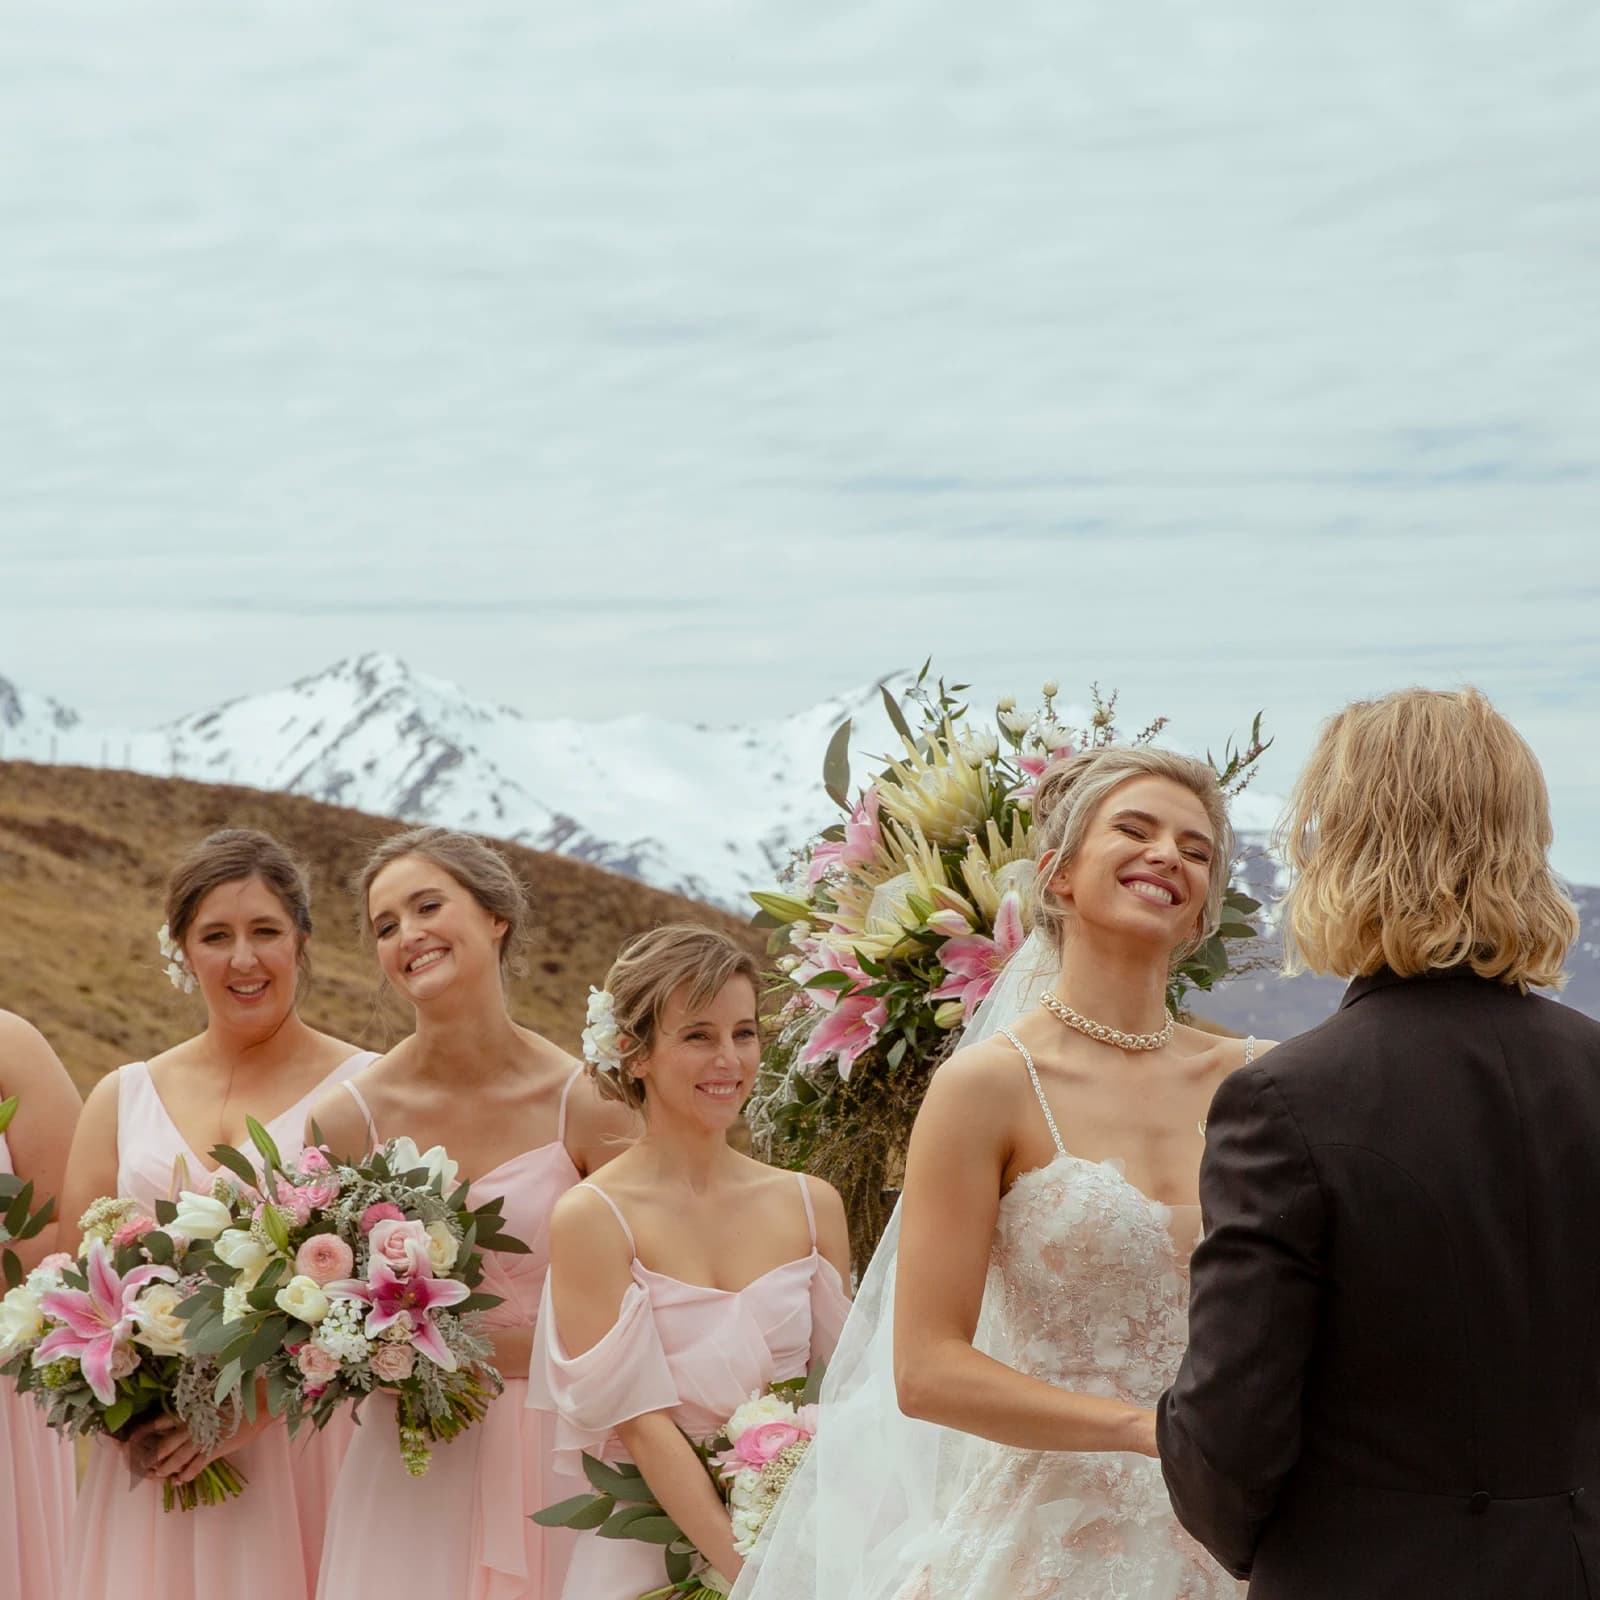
[712, 360]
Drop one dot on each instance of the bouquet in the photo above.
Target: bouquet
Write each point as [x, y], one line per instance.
[331, 1280]
[899, 919]
[18, 1221]
[750, 1460]
[100, 1341]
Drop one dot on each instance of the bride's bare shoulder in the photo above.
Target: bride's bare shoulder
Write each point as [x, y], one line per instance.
[978, 1076]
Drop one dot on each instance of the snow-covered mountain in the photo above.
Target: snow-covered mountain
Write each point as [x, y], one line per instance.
[711, 812]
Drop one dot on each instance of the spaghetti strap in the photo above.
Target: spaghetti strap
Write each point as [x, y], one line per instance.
[1249, 1049]
[1038, 1089]
[366, 1110]
[561, 1115]
[616, 1211]
[811, 1215]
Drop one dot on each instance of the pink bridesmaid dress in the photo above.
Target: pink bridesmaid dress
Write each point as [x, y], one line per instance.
[267, 1543]
[462, 1531]
[36, 1485]
[693, 1351]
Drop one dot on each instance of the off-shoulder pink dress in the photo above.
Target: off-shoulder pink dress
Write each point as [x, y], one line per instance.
[267, 1543]
[462, 1531]
[36, 1485]
[683, 1348]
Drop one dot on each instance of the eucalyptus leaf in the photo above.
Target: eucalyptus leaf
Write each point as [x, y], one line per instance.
[557, 1516]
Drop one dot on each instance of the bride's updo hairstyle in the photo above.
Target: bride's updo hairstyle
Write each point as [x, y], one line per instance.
[1417, 835]
[478, 867]
[1071, 792]
[231, 855]
[643, 979]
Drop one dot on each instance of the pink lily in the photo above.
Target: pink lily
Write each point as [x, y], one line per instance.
[973, 962]
[99, 1319]
[862, 836]
[1034, 766]
[852, 1025]
[408, 1301]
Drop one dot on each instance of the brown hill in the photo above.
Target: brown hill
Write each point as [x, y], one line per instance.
[84, 856]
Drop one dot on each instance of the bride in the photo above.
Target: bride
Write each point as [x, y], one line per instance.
[987, 1427]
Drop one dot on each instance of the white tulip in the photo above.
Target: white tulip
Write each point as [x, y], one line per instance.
[302, 1297]
[201, 1217]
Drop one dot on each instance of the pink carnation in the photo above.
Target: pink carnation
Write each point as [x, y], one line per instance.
[393, 1362]
[324, 1257]
[316, 1364]
[131, 1231]
[381, 1211]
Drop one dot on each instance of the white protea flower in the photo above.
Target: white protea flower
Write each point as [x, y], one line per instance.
[1051, 688]
[1014, 721]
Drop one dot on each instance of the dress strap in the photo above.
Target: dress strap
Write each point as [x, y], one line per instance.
[366, 1111]
[561, 1115]
[616, 1211]
[1249, 1049]
[811, 1215]
[1038, 1089]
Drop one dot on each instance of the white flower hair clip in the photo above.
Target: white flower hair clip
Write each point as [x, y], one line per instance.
[602, 1039]
[178, 973]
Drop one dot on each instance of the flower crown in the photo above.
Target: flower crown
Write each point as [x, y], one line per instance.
[178, 973]
[602, 1039]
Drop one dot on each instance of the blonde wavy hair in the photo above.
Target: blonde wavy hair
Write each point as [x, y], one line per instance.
[1417, 836]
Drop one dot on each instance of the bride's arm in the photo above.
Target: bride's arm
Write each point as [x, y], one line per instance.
[954, 1171]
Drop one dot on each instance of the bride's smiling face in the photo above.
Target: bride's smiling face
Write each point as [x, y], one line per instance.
[429, 930]
[1145, 864]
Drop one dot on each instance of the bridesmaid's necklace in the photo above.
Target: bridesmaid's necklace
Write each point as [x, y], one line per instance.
[1103, 1031]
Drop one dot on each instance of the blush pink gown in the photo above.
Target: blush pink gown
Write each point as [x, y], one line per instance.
[267, 1543]
[36, 1486]
[693, 1351]
[462, 1531]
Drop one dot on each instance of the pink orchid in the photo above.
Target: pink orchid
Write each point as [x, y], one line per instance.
[408, 1301]
[99, 1320]
[973, 963]
[859, 847]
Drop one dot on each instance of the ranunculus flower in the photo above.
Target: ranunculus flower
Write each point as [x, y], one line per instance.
[319, 1196]
[158, 1326]
[201, 1217]
[393, 1363]
[401, 1246]
[313, 1159]
[324, 1257]
[302, 1297]
[765, 1442]
[316, 1364]
[443, 1248]
[380, 1211]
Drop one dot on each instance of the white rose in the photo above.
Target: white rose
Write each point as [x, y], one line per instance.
[405, 1157]
[160, 1328]
[201, 1217]
[302, 1297]
[21, 1321]
[761, 1408]
[443, 1250]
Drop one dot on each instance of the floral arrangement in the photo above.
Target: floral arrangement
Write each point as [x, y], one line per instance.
[750, 1460]
[330, 1280]
[18, 1220]
[100, 1342]
[898, 920]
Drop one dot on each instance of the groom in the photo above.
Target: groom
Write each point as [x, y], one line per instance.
[1392, 1390]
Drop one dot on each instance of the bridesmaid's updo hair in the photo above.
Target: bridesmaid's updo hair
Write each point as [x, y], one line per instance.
[232, 855]
[643, 979]
[476, 865]
[1071, 792]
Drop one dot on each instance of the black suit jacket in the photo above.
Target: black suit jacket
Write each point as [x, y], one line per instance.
[1392, 1390]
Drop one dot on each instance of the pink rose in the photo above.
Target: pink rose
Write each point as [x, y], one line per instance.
[124, 1360]
[392, 1363]
[402, 1245]
[382, 1211]
[316, 1364]
[312, 1159]
[324, 1257]
[319, 1196]
[765, 1442]
[131, 1231]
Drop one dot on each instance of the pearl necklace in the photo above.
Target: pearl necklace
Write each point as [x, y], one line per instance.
[1104, 1033]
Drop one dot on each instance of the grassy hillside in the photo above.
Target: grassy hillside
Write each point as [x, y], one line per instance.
[84, 856]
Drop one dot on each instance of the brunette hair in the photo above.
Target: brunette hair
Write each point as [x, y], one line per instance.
[1418, 836]
[475, 864]
[230, 856]
[643, 978]
[1071, 791]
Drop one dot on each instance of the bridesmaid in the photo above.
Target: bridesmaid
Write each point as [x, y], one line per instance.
[695, 1276]
[36, 1468]
[239, 923]
[447, 915]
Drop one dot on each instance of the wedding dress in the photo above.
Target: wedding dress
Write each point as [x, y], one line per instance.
[1088, 1290]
